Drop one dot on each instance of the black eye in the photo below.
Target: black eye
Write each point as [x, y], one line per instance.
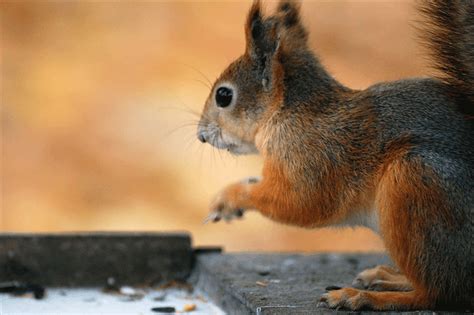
[224, 96]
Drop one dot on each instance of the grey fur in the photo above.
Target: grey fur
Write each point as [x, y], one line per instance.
[445, 143]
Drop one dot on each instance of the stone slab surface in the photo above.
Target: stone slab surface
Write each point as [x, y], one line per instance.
[89, 259]
[92, 301]
[280, 283]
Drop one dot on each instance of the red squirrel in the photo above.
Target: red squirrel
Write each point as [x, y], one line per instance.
[397, 157]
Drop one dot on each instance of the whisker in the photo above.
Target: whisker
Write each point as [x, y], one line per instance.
[220, 136]
[200, 159]
[201, 115]
[199, 72]
[181, 127]
[189, 141]
[186, 110]
[213, 157]
[203, 83]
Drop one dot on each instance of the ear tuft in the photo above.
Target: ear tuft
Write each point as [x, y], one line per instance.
[263, 42]
[284, 6]
[254, 26]
[290, 12]
[262, 34]
[294, 34]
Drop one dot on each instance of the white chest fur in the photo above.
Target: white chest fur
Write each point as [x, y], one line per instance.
[368, 218]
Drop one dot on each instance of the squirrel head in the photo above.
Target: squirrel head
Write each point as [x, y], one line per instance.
[252, 87]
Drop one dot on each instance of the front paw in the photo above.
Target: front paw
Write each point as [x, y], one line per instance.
[225, 205]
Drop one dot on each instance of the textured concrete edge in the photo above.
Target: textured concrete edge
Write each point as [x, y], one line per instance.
[89, 259]
[213, 275]
[216, 288]
[140, 258]
[219, 290]
[96, 234]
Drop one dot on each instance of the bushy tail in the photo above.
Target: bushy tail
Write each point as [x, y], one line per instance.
[450, 36]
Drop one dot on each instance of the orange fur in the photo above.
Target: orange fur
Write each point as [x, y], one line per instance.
[410, 200]
[355, 299]
[382, 278]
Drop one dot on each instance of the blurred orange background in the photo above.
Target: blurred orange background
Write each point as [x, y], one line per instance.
[100, 101]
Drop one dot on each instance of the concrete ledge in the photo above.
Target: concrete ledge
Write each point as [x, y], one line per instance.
[239, 283]
[89, 259]
[281, 283]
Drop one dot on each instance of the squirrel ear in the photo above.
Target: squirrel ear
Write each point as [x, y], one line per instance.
[262, 35]
[254, 27]
[263, 41]
[294, 33]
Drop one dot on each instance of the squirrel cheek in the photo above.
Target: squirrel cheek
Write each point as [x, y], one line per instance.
[261, 139]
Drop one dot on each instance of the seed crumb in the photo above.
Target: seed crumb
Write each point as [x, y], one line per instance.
[189, 307]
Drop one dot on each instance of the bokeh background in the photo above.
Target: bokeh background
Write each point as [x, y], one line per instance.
[100, 101]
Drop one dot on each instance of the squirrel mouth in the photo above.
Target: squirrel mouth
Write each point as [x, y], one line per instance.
[233, 148]
[213, 135]
[222, 145]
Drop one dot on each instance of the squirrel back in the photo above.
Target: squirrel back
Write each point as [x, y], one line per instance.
[449, 34]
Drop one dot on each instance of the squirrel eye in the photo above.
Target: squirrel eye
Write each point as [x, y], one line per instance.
[224, 96]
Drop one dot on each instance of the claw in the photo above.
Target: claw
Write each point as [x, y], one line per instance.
[212, 217]
[322, 305]
[332, 288]
[239, 213]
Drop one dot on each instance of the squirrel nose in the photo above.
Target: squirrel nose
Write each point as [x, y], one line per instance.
[201, 137]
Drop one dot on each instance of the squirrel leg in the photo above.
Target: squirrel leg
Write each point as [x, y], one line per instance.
[276, 197]
[355, 299]
[382, 278]
[410, 201]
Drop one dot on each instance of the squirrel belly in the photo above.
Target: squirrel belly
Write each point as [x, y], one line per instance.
[397, 157]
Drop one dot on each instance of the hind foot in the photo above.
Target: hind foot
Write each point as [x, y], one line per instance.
[382, 278]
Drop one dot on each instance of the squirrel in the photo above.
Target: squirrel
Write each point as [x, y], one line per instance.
[397, 157]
